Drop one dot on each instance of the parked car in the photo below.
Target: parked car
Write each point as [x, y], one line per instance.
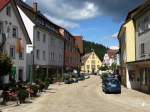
[75, 80]
[67, 81]
[66, 78]
[81, 77]
[87, 76]
[111, 85]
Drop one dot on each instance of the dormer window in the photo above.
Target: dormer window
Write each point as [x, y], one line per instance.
[8, 11]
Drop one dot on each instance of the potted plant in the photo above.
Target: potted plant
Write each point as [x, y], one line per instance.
[22, 94]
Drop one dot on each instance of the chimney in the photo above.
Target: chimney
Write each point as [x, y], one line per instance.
[35, 6]
[61, 31]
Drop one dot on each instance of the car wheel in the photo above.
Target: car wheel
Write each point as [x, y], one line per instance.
[119, 92]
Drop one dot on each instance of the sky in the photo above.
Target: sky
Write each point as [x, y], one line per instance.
[98, 21]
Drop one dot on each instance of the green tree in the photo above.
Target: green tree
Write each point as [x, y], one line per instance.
[5, 64]
[99, 49]
[114, 67]
[104, 68]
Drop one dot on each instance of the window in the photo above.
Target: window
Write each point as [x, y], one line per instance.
[145, 74]
[93, 66]
[142, 47]
[52, 56]
[21, 55]
[93, 62]
[15, 32]
[38, 36]
[37, 54]
[88, 67]
[12, 52]
[98, 66]
[44, 55]
[8, 11]
[1, 27]
[44, 38]
[131, 75]
[93, 57]
[20, 75]
[52, 41]
[144, 24]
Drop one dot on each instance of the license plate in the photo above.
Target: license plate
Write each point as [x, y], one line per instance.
[113, 85]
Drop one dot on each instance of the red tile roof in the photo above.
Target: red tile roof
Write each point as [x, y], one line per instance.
[112, 53]
[3, 3]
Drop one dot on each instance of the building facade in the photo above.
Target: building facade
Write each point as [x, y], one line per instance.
[79, 43]
[90, 63]
[72, 56]
[135, 49]
[111, 57]
[16, 38]
[48, 44]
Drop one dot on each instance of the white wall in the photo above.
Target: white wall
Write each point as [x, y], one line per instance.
[12, 20]
[56, 46]
[29, 27]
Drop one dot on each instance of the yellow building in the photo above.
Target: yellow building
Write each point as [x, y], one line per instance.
[126, 38]
[135, 49]
[90, 63]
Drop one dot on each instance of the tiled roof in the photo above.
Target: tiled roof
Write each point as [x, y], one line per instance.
[3, 3]
[133, 13]
[112, 53]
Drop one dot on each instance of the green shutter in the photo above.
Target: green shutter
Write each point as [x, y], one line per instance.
[14, 72]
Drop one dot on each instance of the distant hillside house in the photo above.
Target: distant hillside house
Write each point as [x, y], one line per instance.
[111, 57]
[90, 63]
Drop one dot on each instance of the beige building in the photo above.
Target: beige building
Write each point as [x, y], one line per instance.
[135, 49]
[90, 63]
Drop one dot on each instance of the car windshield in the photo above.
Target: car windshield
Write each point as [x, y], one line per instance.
[114, 81]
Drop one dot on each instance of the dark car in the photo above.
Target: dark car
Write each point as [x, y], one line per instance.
[81, 78]
[111, 85]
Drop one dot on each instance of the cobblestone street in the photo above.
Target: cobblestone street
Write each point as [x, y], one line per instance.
[85, 96]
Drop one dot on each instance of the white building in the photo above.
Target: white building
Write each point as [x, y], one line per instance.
[111, 57]
[12, 28]
[48, 44]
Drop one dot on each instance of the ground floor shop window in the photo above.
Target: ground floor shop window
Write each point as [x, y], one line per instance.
[145, 75]
[131, 75]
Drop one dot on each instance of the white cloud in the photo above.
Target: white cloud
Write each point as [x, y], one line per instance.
[114, 47]
[70, 10]
[89, 10]
[85, 9]
[114, 35]
[61, 22]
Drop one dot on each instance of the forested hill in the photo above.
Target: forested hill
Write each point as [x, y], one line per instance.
[99, 49]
